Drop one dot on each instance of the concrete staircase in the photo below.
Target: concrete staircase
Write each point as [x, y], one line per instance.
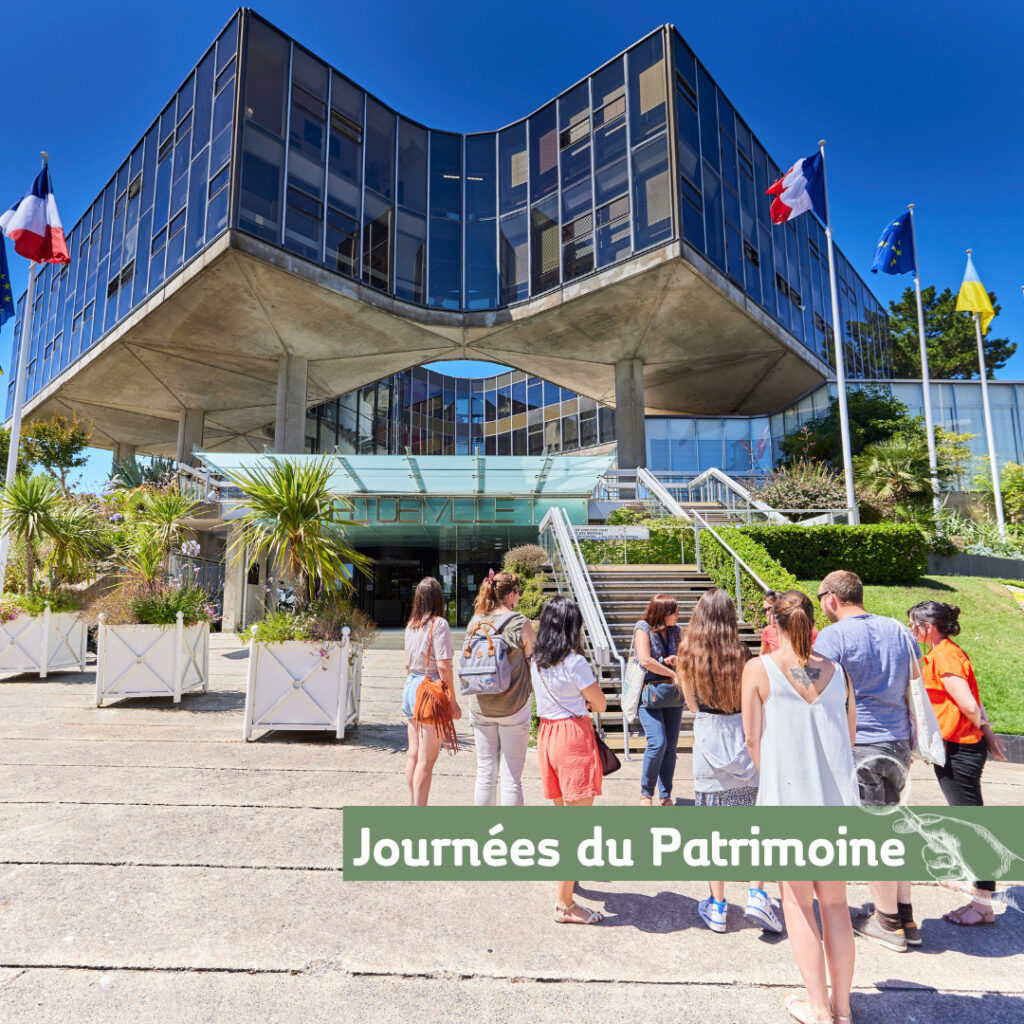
[624, 592]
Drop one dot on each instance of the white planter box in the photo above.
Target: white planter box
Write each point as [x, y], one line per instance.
[152, 661]
[42, 643]
[290, 686]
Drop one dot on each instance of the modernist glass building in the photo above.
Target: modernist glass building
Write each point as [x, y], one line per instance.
[267, 139]
[424, 412]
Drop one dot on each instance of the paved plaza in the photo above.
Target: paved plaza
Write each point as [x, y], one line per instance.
[155, 868]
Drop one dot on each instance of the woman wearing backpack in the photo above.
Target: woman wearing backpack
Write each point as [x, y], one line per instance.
[501, 721]
[566, 689]
[428, 699]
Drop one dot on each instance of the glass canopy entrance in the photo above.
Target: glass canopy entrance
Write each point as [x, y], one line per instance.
[449, 516]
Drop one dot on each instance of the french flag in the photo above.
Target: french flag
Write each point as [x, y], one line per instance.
[800, 189]
[33, 224]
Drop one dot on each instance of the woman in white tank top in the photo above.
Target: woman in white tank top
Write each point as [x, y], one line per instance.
[800, 720]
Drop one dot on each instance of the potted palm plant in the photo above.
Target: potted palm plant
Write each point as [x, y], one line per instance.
[304, 666]
[154, 629]
[41, 629]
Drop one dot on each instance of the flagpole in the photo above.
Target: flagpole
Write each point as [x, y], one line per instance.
[19, 400]
[990, 436]
[926, 387]
[853, 515]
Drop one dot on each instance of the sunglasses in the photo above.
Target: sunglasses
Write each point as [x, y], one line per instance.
[824, 593]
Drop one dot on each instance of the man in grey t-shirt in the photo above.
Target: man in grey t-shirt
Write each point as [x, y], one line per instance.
[877, 653]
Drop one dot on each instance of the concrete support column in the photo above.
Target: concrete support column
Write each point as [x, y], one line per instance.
[630, 429]
[290, 423]
[123, 451]
[235, 577]
[190, 434]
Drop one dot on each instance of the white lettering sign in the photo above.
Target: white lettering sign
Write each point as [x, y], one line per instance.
[612, 532]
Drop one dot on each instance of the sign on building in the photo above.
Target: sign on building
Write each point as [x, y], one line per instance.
[612, 532]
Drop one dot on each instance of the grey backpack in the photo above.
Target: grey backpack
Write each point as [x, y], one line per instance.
[484, 667]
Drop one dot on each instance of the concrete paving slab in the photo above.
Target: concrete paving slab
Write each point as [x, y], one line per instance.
[193, 918]
[319, 994]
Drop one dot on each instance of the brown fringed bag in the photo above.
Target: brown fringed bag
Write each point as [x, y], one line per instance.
[434, 706]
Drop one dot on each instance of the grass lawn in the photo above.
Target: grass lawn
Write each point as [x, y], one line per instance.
[991, 632]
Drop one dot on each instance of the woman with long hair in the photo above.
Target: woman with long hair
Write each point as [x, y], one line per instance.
[655, 642]
[428, 699]
[501, 721]
[566, 690]
[969, 739]
[709, 669]
[801, 740]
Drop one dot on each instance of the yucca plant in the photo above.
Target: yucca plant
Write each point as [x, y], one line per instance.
[161, 517]
[291, 512]
[30, 508]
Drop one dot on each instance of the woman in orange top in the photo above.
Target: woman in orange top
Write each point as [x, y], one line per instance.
[953, 690]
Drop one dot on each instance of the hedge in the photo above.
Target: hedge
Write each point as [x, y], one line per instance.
[718, 563]
[671, 542]
[881, 554]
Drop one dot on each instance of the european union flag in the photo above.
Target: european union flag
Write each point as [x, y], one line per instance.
[6, 298]
[895, 252]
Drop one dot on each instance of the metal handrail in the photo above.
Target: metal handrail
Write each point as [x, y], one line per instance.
[654, 486]
[736, 489]
[557, 537]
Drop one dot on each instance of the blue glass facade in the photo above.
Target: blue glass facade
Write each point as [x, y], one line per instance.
[167, 200]
[266, 138]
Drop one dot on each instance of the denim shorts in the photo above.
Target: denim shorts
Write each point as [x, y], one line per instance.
[882, 771]
[412, 684]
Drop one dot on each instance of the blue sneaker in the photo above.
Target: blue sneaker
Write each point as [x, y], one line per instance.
[760, 910]
[713, 913]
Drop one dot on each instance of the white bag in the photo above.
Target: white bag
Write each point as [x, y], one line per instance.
[633, 687]
[926, 740]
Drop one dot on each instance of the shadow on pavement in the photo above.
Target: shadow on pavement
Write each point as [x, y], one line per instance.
[922, 1004]
[213, 700]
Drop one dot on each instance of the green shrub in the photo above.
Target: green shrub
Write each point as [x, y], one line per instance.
[810, 485]
[883, 554]
[34, 603]
[671, 542]
[160, 605]
[525, 560]
[533, 598]
[718, 563]
[323, 622]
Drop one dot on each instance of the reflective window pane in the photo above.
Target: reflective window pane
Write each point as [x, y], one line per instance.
[481, 183]
[543, 153]
[380, 149]
[646, 89]
[412, 166]
[652, 194]
[411, 257]
[512, 168]
[513, 258]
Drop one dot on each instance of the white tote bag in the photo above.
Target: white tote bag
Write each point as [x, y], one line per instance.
[926, 740]
[633, 687]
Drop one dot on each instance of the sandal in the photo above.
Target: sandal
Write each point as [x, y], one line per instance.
[959, 916]
[564, 915]
[666, 802]
[799, 1009]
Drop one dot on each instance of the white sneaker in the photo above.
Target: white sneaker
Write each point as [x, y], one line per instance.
[760, 910]
[713, 914]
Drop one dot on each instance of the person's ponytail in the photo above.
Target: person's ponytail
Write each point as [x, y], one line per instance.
[793, 613]
[486, 598]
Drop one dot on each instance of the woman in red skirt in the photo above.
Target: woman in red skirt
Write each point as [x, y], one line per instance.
[566, 690]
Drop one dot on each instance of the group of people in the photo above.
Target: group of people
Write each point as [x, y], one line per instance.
[819, 720]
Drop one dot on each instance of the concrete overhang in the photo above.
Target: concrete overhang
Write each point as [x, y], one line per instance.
[212, 336]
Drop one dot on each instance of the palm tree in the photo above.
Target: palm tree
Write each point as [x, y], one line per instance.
[77, 538]
[30, 507]
[291, 512]
[895, 468]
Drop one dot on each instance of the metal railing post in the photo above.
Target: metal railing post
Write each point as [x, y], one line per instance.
[739, 590]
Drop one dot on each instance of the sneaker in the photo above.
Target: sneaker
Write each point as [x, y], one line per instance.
[871, 928]
[760, 910]
[713, 913]
[910, 929]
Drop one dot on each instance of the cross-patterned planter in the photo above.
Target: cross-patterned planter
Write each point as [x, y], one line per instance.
[301, 684]
[42, 643]
[151, 661]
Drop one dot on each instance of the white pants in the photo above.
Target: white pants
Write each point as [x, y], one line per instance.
[500, 742]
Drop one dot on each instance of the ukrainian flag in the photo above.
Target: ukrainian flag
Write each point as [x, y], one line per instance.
[973, 298]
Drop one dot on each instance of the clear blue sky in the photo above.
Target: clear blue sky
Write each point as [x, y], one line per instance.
[919, 102]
